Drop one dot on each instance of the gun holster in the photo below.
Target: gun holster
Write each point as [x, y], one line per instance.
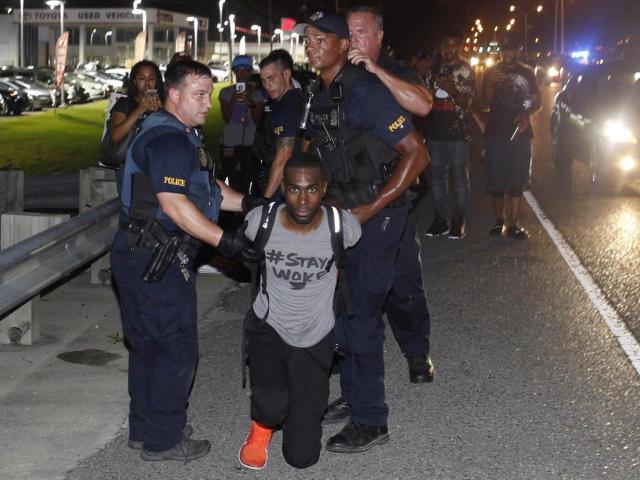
[165, 248]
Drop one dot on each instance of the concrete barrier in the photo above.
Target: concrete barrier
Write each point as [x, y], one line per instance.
[22, 326]
[97, 186]
[11, 191]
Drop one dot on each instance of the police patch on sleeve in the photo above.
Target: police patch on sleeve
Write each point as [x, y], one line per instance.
[176, 182]
[278, 130]
[397, 124]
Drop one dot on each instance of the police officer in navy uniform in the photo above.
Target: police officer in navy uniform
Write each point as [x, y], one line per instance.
[406, 305]
[170, 203]
[373, 154]
[282, 124]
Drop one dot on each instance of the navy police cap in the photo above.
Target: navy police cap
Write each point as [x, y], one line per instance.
[327, 21]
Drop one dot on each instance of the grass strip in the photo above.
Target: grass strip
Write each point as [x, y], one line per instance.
[67, 139]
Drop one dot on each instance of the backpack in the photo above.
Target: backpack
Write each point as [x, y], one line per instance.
[259, 271]
[112, 154]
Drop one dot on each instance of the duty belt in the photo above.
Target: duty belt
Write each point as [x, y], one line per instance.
[149, 234]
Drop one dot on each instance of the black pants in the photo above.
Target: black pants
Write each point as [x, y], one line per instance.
[406, 305]
[289, 389]
[159, 322]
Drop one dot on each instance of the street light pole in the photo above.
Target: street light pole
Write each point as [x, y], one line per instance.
[294, 48]
[562, 27]
[21, 33]
[538, 9]
[58, 3]
[220, 27]
[232, 36]
[258, 28]
[93, 32]
[555, 26]
[195, 36]
[140, 11]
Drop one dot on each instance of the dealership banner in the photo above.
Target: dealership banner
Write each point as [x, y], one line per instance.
[104, 16]
[181, 42]
[140, 46]
[61, 58]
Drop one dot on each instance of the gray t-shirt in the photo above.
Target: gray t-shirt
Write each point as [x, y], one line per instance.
[300, 289]
[232, 132]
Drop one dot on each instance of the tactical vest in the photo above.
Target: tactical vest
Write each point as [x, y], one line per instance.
[358, 162]
[138, 199]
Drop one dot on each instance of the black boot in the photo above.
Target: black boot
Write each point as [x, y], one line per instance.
[338, 411]
[186, 450]
[357, 437]
[187, 431]
[421, 369]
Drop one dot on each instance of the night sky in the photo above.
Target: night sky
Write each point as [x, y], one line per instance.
[588, 22]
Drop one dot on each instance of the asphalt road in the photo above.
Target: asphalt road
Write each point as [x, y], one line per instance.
[604, 230]
[531, 383]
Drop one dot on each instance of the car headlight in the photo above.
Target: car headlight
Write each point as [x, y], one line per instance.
[616, 132]
[553, 72]
[489, 62]
[474, 61]
[627, 163]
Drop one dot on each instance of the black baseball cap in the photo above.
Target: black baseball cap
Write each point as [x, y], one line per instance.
[327, 21]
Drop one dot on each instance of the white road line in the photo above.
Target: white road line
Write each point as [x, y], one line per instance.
[625, 338]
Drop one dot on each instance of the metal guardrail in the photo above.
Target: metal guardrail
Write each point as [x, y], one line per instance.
[51, 192]
[29, 266]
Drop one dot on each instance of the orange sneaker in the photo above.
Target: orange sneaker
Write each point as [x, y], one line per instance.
[253, 453]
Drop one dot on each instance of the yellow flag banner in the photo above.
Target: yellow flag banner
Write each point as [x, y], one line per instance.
[140, 46]
[61, 58]
[181, 42]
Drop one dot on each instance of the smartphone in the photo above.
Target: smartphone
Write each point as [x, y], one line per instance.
[240, 87]
[152, 92]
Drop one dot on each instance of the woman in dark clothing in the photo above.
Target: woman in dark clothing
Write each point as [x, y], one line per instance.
[145, 94]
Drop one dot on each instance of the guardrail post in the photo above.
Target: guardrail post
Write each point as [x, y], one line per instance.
[22, 326]
[97, 185]
[11, 191]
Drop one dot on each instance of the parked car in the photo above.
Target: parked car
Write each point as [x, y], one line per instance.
[42, 75]
[96, 90]
[596, 119]
[38, 94]
[219, 72]
[7, 71]
[117, 71]
[13, 101]
[112, 81]
[73, 93]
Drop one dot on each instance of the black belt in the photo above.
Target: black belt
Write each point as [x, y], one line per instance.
[147, 234]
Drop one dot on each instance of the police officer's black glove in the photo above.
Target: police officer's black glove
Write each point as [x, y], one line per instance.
[251, 255]
[249, 202]
[232, 244]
